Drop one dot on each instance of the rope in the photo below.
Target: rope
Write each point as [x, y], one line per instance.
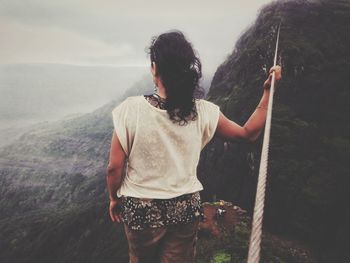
[255, 237]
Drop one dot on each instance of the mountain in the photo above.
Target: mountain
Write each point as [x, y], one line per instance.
[308, 177]
[53, 205]
[47, 162]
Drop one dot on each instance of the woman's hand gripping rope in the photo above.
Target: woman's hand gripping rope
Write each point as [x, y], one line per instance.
[278, 75]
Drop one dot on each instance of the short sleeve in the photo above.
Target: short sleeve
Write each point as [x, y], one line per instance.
[121, 127]
[210, 118]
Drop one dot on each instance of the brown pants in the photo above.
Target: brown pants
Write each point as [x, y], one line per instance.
[168, 244]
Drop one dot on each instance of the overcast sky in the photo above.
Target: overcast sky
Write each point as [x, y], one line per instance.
[116, 33]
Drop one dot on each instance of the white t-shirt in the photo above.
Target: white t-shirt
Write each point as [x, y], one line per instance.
[162, 155]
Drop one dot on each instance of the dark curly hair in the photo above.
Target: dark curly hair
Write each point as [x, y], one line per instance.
[179, 70]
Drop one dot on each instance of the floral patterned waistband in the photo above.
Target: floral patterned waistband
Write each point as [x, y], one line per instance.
[139, 213]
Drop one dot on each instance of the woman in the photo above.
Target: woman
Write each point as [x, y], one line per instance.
[160, 137]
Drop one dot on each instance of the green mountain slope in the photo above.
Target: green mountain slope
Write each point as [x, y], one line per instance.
[54, 201]
[308, 180]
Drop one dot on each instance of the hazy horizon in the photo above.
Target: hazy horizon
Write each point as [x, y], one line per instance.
[73, 56]
[116, 33]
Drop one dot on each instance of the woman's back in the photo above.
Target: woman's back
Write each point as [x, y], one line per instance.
[160, 203]
[162, 155]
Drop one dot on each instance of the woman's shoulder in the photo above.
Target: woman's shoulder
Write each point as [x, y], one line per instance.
[132, 99]
[207, 104]
[126, 102]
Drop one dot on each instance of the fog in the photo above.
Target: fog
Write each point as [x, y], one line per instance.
[72, 56]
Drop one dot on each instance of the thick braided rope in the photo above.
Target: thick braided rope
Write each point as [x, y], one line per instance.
[255, 237]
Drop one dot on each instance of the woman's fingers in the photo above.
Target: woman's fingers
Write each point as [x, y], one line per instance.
[277, 69]
[115, 217]
[111, 214]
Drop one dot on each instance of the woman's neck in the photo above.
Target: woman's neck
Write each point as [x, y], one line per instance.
[161, 91]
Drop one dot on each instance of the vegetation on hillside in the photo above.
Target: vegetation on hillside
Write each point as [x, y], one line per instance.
[308, 179]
